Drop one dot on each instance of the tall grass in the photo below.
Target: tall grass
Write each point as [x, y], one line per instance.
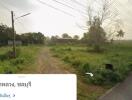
[25, 56]
[119, 55]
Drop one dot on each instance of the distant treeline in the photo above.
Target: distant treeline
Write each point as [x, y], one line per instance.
[6, 37]
[6, 34]
[64, 39]
[32, 38]
[95, 37]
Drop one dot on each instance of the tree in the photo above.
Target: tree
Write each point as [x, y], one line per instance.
[96, 35]
[33, 38]
[100, 19]
[39, 38]
[103, 11]
[56, 36]
[65, 35]
[120, 33]
[5, 34]
[84, 39]
[76, 37]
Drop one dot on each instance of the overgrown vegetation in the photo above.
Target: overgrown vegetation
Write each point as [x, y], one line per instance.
[118, 55]
[25, 56]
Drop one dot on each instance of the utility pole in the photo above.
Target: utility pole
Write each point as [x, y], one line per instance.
[14, 35]
[13, 30]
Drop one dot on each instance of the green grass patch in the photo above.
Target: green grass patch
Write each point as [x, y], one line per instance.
[25, 57]
[83, 60]
[119, 55]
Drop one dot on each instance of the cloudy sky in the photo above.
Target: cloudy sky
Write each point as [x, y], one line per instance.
[55, 17]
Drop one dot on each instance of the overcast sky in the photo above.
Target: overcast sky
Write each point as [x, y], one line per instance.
[61, 19]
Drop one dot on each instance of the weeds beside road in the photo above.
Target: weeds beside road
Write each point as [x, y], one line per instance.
[72, 59]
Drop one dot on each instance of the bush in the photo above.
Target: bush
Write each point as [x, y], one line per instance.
[76, 63]
[129, 66]
[105, 77]
[17, 61]
[84, 68]
[68, 49]
[3, 57]
[9, 55]
[66, 59]
[98, 79]
[110, 76]
[5, 69]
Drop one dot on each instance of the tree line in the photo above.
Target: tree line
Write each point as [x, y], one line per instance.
[6, 34]
[95, 37]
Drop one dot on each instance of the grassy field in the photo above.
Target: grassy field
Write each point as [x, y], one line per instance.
[80, 58]
[84, 60]
[25, 57]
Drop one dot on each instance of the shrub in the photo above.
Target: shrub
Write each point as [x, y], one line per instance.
[110, 76]
[129, 66]
[68, 49]
[105, 77]
[76, 63]
[123, 71]
[84, 68]
[9, 54]
[17, 61]
[98, 79]
[3, 57]
[5, 69]
[66, 59]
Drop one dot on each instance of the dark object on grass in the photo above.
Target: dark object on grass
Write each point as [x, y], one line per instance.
[109, 67]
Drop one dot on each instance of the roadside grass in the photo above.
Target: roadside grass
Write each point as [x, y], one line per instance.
[25, 57]
[83, 60]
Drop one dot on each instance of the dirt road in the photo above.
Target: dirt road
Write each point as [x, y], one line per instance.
[47, 64]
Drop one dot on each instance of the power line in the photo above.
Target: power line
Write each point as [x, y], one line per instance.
[44, 3]
[69, 6]
[23, 15]
[59, 10]
[84, 14]
[82, 5]
[81, 27]
[76, 4]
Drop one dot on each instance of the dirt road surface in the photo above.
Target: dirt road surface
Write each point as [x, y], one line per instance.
[45, 63]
